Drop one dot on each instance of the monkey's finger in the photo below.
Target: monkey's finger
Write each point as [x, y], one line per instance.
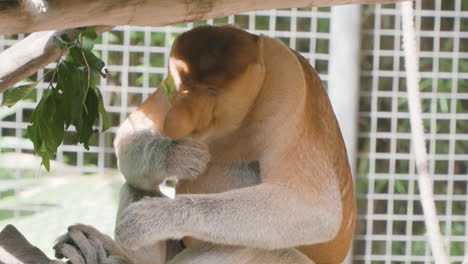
[115, 260]
[85, 229]
[102, 255]
[71, 253]
[64, 239]
[83, 245]
[90, 231]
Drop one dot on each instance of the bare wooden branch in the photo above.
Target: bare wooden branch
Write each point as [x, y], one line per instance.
[26, 57]
[15, 248]
[63, 14]
[31, 54]
[37, 50]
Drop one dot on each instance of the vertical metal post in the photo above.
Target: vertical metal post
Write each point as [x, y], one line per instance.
[344, 71]
[343, 75]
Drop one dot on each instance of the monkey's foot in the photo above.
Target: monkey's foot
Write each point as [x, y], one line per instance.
[84, 244]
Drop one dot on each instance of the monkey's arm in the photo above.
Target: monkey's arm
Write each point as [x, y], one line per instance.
[268, 216]
[154, 253]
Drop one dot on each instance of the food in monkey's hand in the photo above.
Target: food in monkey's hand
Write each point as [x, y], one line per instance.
[168, 187]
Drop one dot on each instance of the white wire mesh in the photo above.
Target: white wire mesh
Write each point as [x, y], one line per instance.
[390, 226]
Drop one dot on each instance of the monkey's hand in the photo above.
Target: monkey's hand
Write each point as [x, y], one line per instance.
[146, 158]
[84, 244]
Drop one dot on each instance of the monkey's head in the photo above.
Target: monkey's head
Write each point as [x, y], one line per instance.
[217, 73]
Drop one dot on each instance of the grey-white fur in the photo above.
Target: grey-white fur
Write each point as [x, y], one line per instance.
[149, 254]
[230, 218]
[164, 221]
[92, 247]
[211, 254]
[147, 158]
[84, 244]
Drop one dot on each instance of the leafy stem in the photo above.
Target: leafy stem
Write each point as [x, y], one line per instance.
[87, 66]
[68, 102]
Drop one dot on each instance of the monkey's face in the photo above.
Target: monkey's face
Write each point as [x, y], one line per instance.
[217, 75]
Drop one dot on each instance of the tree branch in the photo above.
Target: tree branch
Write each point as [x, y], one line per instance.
[63, 14]
[15, 248]
[37, 50]
[31, 54]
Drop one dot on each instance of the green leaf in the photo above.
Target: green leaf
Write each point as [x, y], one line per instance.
[14, 95]
[73, 83]
[92, 61]
[89, 37]
[168, 86]
[89, 32]
[70, 101]
[88, 44]
[47, 128]
[55, 120]
[102, 111]
[32, 132]
[63, 41]
[75, 53]
[85, 129]
[60, 43]
[95, 63]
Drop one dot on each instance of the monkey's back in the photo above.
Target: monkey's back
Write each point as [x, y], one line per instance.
[335, 250]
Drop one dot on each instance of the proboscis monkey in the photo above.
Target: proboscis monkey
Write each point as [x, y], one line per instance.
[251, 133]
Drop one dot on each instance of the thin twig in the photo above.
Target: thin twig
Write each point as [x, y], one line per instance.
[55, 71]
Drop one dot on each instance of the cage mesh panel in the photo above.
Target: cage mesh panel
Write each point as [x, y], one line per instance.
[390, 225]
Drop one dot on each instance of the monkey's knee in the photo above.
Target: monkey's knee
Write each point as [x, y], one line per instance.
[287, 256]
[214, 254]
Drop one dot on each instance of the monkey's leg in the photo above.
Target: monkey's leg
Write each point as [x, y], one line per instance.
[155, 253]
[214, 254]
[269, 216]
